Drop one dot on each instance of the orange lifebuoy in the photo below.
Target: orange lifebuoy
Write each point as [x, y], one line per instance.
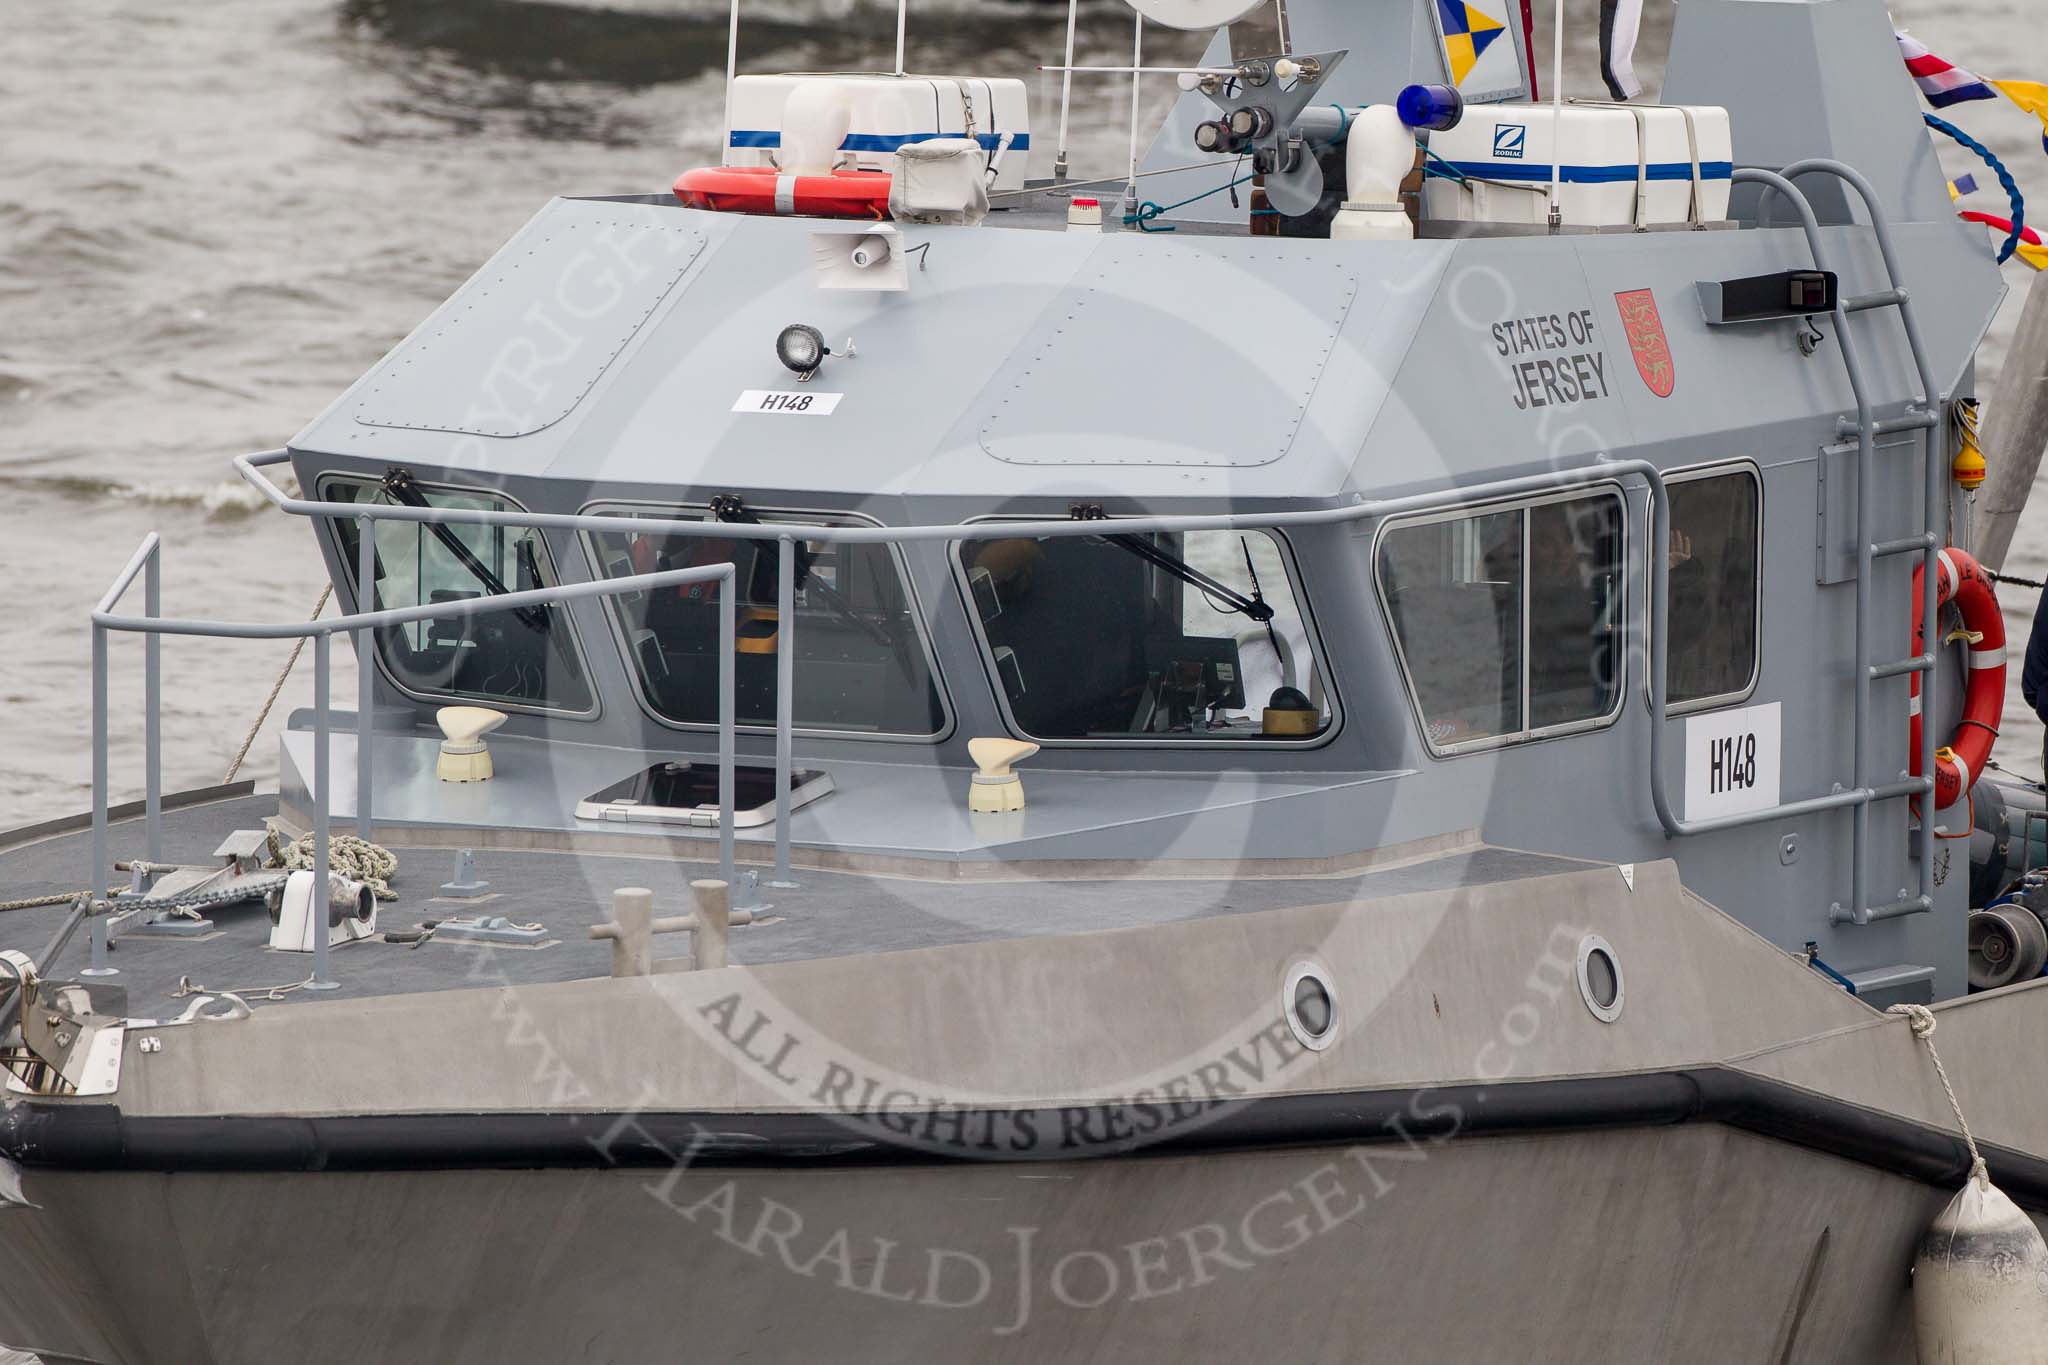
[1959, 763]
[763, 189]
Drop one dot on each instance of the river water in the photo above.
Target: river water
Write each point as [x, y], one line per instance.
[213, 217]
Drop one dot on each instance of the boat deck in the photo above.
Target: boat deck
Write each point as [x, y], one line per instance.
[828, 914]
[892, 818]
[1043, 208]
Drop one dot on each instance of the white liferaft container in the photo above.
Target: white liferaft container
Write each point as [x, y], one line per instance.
[1621, 165]
[889, 111]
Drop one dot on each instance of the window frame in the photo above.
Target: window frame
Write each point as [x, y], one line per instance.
[1289, 564]
[587, 543]
[349, 581]
[1713, 469]
[1469, 511]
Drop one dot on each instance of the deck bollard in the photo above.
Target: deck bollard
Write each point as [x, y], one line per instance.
[632, 928]
[746, 893]
[714, 923]
[464, 883]
[633, 947]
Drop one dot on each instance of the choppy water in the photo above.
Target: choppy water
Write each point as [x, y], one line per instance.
[215, 216]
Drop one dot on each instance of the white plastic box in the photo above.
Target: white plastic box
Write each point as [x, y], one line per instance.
[889, 111]
[1623, 165]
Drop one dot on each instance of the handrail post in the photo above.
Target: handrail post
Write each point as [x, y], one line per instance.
[785, 702]
[98, 883]
[366, 668]
[153, 706]
[729, 587]
[1659, 626]
[323, 724]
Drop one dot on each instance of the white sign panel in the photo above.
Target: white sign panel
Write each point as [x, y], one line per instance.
[788, 402]
[1731, 762]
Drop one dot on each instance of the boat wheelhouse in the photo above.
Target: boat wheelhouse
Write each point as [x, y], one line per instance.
[1200, 746]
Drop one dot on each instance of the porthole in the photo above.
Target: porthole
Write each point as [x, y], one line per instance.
[1310, 1003]
[1600, 983]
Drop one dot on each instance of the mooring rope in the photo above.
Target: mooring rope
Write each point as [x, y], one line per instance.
[37, 902]
[1922, 1020]
[347, 855]
[298, 648]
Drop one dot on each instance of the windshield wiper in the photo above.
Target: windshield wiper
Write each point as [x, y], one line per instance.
[398, 485]
[1220, 594]
[727, 507]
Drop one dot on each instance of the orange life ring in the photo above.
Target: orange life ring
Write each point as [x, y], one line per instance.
[1959, 763]
[763, 189]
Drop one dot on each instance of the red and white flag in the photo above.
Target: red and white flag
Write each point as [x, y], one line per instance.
[1943, 83]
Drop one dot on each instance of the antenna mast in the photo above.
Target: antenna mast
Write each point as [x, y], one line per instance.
[1059, 165]
[1557, 120]
[732, 67]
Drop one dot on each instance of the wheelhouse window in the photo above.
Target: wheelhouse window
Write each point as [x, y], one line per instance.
[1509, 621]
[1195, 636]
[861, 663]
[1715, 551]
[524, 657]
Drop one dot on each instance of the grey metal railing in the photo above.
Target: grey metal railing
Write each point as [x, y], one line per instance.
[147, 560]
[250, 468]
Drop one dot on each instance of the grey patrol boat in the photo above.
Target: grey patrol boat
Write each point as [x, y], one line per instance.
[1311, 758]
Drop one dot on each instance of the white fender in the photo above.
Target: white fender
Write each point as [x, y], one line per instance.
[1980, 1283]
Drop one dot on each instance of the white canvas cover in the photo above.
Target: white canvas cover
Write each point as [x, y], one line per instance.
[943, 180]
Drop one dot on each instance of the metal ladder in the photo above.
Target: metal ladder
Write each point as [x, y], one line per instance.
[1922, 415]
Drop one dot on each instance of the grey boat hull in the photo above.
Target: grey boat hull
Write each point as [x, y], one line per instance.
[1107, 1144]
[1694, 1243]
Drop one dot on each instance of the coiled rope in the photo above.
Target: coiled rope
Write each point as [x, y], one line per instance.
[2011, 186]
[1922, 1020]
[298, 648]
[347, 855]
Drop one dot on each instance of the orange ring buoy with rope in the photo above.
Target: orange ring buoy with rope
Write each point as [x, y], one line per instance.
[763, 189]
[1959, 763]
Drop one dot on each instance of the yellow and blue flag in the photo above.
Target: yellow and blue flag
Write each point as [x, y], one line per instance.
[2031, 96]
[1468, 33]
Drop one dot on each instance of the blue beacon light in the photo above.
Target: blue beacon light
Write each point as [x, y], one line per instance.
[1436, 108]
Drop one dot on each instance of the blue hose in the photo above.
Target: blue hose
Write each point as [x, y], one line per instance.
[2012, 189]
